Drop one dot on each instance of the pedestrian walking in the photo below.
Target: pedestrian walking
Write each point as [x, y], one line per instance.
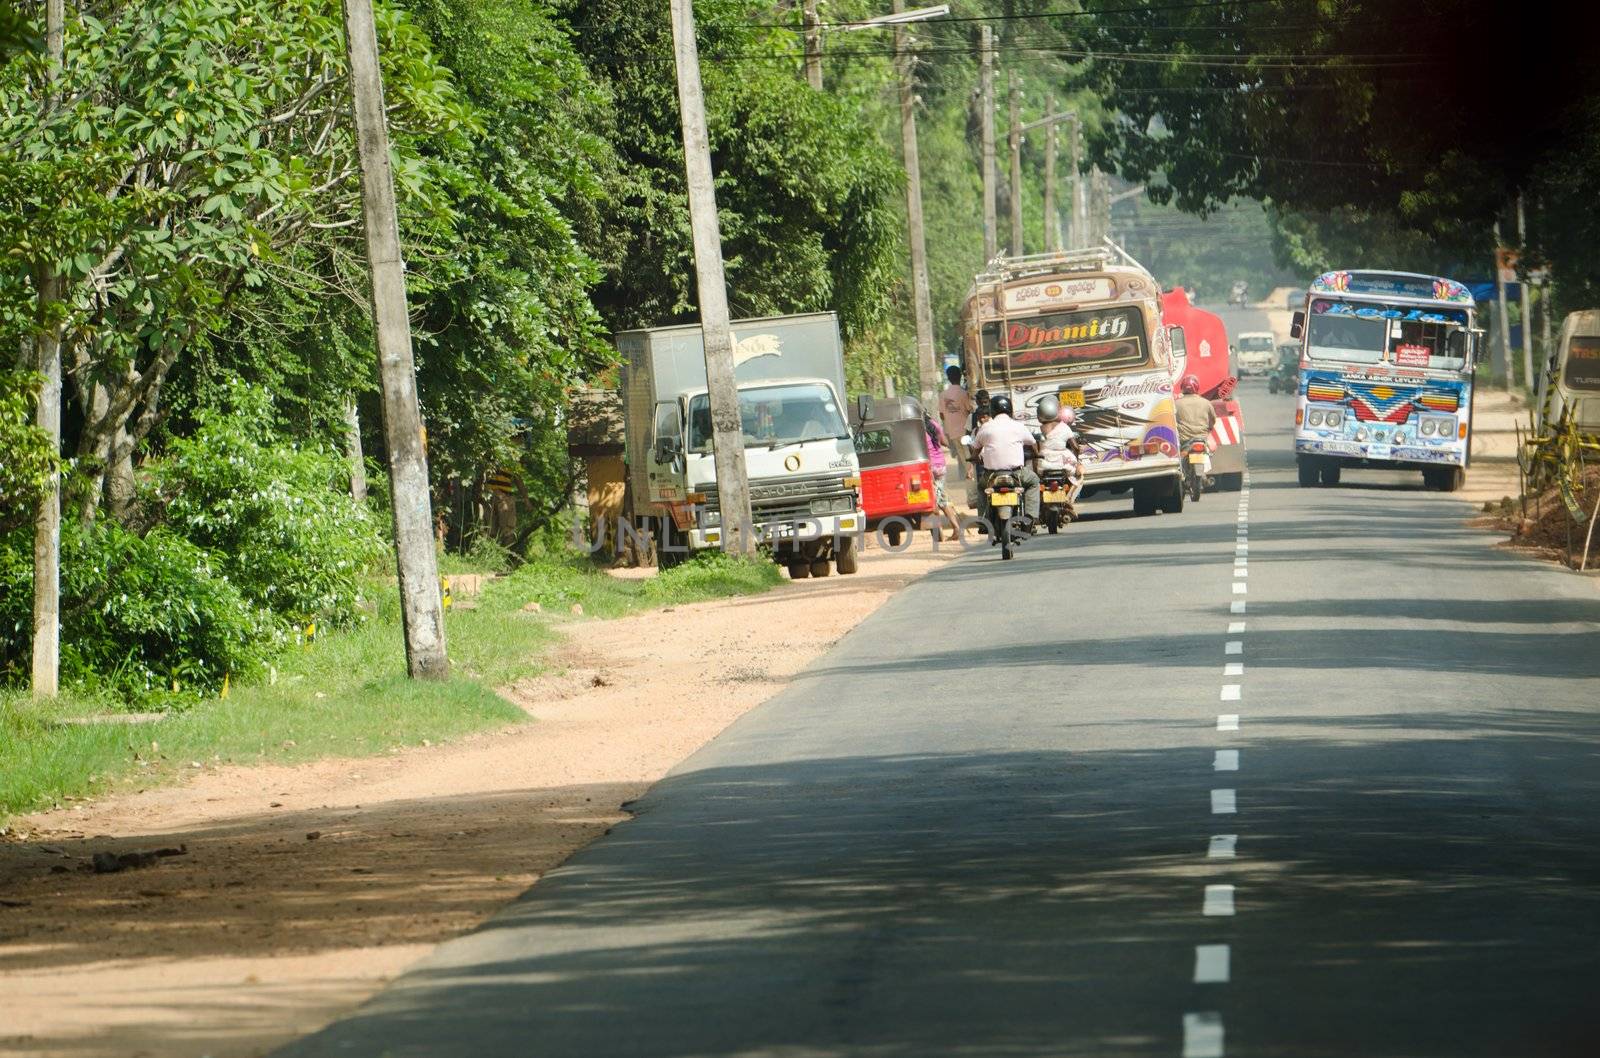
[955, 404]
[940, 465]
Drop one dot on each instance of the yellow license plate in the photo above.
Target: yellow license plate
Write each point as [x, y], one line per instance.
[1003, 499]
[1073, 397]
[1054, 496]
[1197, 459]
[920, 496]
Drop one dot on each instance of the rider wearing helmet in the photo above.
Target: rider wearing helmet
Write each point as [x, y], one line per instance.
[1058, 444]
[1196, 417]
[1002, 444]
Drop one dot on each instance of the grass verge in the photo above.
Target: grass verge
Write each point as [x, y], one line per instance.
[347, 694]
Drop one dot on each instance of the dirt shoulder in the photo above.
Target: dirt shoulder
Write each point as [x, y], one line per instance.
[1493, 475]
[303, 889]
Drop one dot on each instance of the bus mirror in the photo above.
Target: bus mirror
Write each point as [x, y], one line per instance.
[1297, 325]
[1480, 348]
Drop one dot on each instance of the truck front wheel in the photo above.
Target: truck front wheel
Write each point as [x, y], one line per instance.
[799, 570]
[845, 555]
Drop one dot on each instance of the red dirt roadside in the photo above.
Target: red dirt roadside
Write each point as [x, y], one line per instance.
[305, 888]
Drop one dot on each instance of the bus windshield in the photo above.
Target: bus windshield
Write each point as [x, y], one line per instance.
[1399, 335]
[1069, 342]
[773, 415]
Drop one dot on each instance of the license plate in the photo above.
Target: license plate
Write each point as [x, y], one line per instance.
[1071, 397]
[782, 531]
[1054, 495]
[1003, 499]
[1196, 459]
[1379, 451]
[920, 496]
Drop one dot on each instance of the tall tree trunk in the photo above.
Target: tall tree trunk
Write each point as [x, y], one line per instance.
[352, 449]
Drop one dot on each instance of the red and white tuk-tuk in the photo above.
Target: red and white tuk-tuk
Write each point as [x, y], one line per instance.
[896, 475]
[1200, 344]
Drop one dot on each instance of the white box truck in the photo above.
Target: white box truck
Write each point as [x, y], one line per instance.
[801, 462]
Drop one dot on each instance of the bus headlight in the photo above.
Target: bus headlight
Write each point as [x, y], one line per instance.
[1440, 426]
[1333, 419]
[1314, 417]
[1361, 434]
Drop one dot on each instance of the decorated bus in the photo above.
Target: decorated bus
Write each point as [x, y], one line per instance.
[1386, 363]
[1077, 326]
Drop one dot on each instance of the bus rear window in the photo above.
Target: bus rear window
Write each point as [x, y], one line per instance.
[1069, 342]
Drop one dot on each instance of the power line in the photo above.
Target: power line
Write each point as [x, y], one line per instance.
[1041, 14]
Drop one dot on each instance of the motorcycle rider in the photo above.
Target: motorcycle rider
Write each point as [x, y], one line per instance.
[1001, 445]
[1058, 446]
[1196, 417]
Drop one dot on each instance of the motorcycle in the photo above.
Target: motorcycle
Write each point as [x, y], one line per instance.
[1003, 500]
[1194, 469]
[1055, 505]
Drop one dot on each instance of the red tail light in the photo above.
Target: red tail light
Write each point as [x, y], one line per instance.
[1198, 446]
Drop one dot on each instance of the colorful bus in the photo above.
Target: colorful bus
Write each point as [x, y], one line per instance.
[1077, 326]
[1386, 364]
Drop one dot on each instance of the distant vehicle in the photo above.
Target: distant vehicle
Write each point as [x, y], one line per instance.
[1576, 375]
[801, 461]
[1386, 377]
[1295, 299]
[1282, 378]
[896, 476]
[1236, 296]
[1081, 327]
[1258, 353]
[1200, 348]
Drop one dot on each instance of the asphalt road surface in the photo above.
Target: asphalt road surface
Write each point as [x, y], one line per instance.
[1298, 772]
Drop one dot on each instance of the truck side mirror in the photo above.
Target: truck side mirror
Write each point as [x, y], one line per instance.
[1297, 325]
[864, 407]
[666, 449]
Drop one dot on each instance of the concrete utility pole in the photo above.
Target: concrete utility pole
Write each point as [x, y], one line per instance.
[1052, 223]
[813, 43]
[1527, 302]
[991, 234]
[1077, 235]
[421, 610]
[1015, 136]
[46, 675]
[1500, 309]
[727, 437]
[921, 301]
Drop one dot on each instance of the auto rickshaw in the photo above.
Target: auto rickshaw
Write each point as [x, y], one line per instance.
[896, 476]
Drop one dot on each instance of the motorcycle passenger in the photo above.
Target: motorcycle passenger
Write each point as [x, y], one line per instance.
[1058, 446]
[1196, 417]
[1001, 445]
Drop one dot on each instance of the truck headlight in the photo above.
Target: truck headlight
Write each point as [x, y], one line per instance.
[710, 516]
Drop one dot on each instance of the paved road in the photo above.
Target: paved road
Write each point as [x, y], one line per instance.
[997, 819]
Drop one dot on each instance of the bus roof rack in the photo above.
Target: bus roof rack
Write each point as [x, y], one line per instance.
[1083, 259]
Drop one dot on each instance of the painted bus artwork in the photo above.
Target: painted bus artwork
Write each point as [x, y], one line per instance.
[1077, 326]
[1386, 365]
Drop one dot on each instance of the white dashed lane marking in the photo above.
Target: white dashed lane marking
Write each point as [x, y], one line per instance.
[1222, 846]
[1225, 760]
[1233, 646]
[1211, 964]
[1230, 692]
[1224, 802]
[1228, 722]
[1235, 628]
[1237, 607]
[1202, 1035]
[1219, 901]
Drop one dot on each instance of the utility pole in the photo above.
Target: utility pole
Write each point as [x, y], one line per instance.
[813, 43]
[921, 302]
[1500, 308]
[1052, 223]
[352, 450]
[991, 234]
[727, 436]
[1527, 301]
[1015, 137]
[421, 610]
[1077, 238]
[46, 675]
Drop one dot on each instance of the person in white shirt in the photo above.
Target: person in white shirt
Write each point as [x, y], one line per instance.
[1002, 444]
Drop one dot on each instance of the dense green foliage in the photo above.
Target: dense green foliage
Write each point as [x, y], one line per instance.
[28, 462]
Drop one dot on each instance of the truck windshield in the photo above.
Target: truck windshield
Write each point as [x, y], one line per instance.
[773, 415]
[1256, 343]
[1065, 343]
[1583, 363]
